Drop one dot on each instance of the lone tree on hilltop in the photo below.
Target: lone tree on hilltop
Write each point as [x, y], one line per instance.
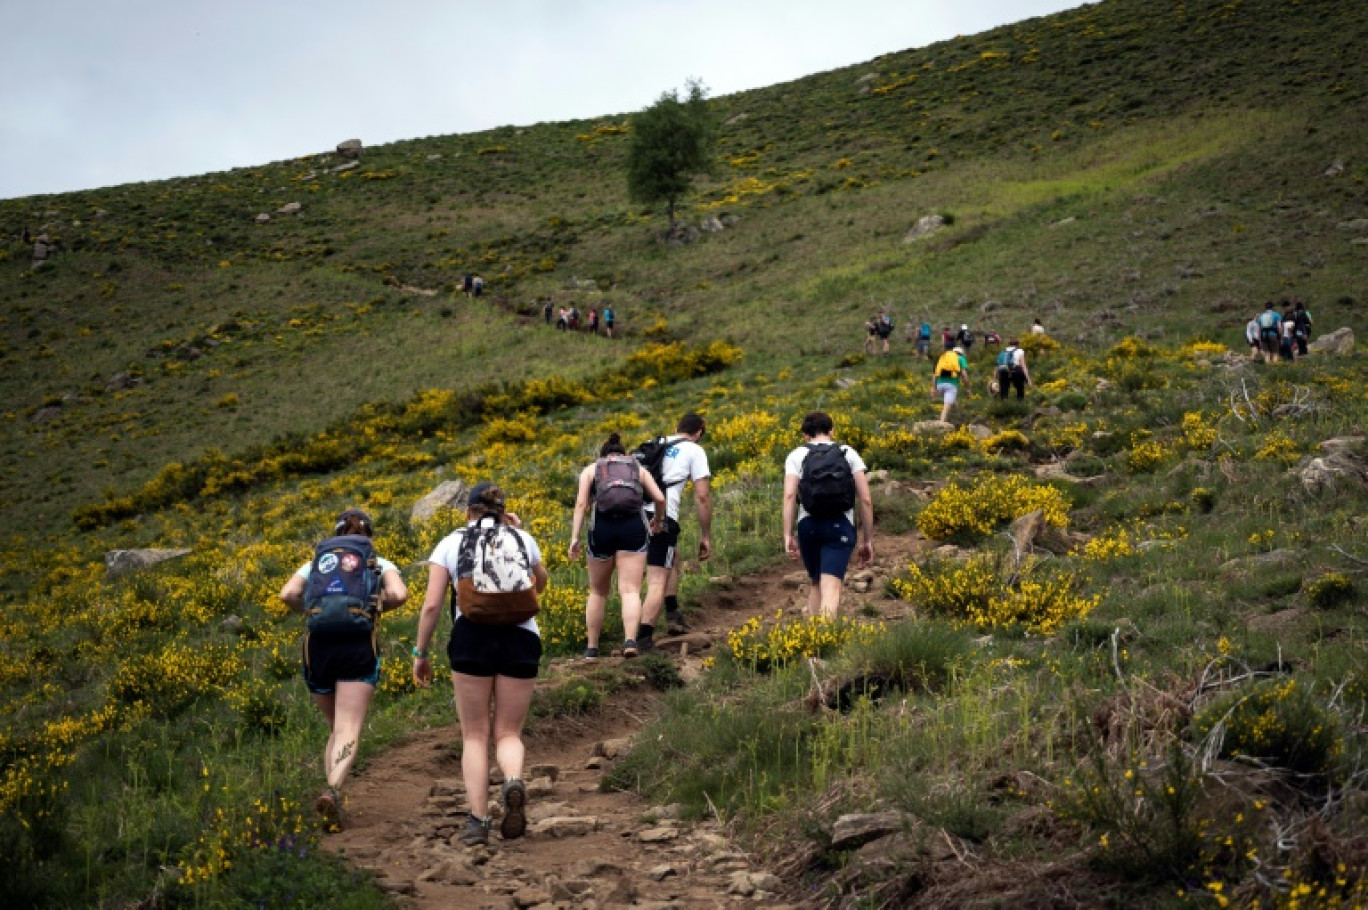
[671, 142]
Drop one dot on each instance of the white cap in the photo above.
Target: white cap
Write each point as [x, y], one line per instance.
[957, 349]
[964, 326]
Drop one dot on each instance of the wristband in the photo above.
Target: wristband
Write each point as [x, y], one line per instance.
[422, 653]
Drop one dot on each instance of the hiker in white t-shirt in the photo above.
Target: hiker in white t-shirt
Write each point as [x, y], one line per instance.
[684, 462]
[826, 537]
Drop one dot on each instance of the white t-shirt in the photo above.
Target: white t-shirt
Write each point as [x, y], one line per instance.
[793, 467]
[1252, 331]
[684, 461]
[385, 566]
[444, 555]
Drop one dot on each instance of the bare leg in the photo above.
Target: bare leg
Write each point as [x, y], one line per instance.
[830, 597]
[351, 702]
[814, 604]
[657, 583]
[629, 570]
[326, 706]
[472, 709]
[511, 700]
[600, 578]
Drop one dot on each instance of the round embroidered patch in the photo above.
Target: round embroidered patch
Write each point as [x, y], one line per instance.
[327, 563]
[350, 562]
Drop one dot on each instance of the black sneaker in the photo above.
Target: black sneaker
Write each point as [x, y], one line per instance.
[591, 653]
[646, 643]
[476, 833]
[675, 623]
[629, 648]
[514, 822]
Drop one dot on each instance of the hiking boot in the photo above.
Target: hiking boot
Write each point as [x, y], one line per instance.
[591, 653]
[629, 648]
[514, 822]
[675, 623]
[646, 643]
[329, 807]
[476, 833]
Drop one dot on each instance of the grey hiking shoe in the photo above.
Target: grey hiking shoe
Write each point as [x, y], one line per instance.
[629, 648]
[476, 833]
[675, 623]
[514, 822]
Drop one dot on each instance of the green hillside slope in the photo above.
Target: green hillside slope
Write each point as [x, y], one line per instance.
[1165, 702]
[1185, 140]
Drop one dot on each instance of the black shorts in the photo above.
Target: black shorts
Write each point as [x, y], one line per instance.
[480, 649]
[613, 534]
[329, 660]
[664, 546]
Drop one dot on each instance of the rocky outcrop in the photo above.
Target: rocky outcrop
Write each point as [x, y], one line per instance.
[349, 148]
[450, 494]
[122, 562]
[925, 227]
[1339, 343]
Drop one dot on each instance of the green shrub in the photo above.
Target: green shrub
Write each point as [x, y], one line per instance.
[1330, 590]
[1071, 401]
[1275, 722]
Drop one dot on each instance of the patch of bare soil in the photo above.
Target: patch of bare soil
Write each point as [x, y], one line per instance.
[584, 848]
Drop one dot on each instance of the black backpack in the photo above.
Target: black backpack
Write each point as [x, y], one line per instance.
[1302, 323]
[651, 456]
[342, 594]
[827, 487]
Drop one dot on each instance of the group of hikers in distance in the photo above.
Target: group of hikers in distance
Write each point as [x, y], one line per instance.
[489, 572]
[951, 372]
[1279, 336]
[567, 319]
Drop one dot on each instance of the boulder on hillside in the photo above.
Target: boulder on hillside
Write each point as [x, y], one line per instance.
[263, 218]
[979, 431]
[1328, 472]
[856, 830]
[122, 562]
[711, 225]
[350, 165]
[349, 148]
[925, 226]
[1025, 529]
[449, 494]
[932, 427]
[1273, 559]
[290, 208]
[1339, 343]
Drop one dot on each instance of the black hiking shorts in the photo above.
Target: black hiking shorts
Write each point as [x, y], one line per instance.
[664, 546]
[329, 660]
[481, 649]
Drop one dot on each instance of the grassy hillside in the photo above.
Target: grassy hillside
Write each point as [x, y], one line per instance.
[1186, 141]
[1135, 171]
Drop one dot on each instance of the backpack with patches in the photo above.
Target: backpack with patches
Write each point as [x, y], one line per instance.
[617, 485]
[1268, 321]
[827, 487]
[651, 456]
[343, 591]
[494, 583]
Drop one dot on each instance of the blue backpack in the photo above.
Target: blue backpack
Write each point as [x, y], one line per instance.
[925, 332]
[342, 594]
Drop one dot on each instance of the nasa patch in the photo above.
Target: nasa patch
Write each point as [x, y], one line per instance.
[327, 563]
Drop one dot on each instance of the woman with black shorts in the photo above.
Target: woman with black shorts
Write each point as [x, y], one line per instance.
[487, 662]
[341, 670]
[617, 540]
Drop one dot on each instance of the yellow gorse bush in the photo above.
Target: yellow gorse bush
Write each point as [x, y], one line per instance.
[764, 645]
[977, 509]
[978, 592]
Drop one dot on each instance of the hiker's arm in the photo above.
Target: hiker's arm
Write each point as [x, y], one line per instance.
[790, 510]
[393, 592]
[652, 489]
[540, 578]
[703, 500]
[438, 580]
[866, 506]
[293, 592]
[586, 479]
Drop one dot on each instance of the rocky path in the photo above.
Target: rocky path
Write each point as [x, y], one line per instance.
[584, 848]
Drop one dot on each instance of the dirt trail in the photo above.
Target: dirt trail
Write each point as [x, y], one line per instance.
[584, 848]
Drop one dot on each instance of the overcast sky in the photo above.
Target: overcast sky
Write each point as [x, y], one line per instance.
[102, 92]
